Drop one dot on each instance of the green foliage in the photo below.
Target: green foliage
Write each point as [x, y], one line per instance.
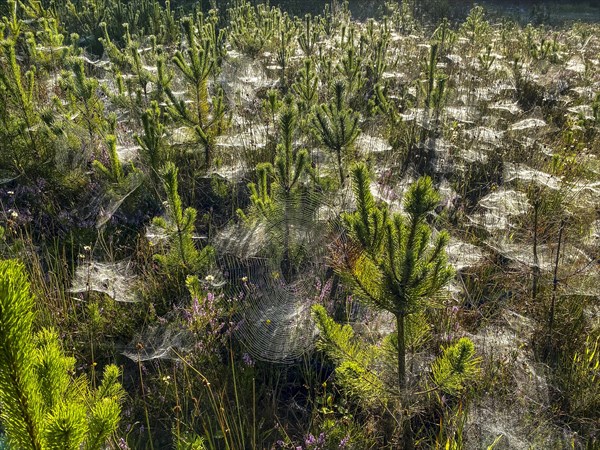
[306, 87]
[253, 27]
[475, 27]
[179, 226]
[309, 35]
[581, 380]
[351, 67]
[43, 406]
[84, 104]
[154, 152]
[336, 126]
[396, 267]
[114, 173]
[434, 83]
[205, 114]
[355, 362]
[456, 367]
[276, 197]
[26, 144]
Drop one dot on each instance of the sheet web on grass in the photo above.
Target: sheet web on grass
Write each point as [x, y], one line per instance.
[270, 264]
[113, 279]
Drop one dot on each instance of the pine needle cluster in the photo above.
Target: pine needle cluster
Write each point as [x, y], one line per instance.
[44, 406]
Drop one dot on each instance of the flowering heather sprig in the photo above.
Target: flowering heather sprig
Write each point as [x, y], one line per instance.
[247, 360]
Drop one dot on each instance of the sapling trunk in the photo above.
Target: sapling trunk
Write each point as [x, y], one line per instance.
[554, 289]
[407, 434]
[401, 352]
[536, 264]
[340, 168]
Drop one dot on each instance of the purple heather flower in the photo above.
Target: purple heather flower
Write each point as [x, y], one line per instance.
[344, 442]
[123, 445]
[321, 439]
[247, 360]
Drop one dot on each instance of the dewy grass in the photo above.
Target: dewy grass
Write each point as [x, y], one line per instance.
[181, 186]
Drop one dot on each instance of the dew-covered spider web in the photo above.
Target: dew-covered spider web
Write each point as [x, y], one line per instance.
[116, 280]
[270, 264]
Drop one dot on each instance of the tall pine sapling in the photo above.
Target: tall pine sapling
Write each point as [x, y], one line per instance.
[398, 266]
[274, 196]
[336, 126]
[153, 148]
[179, 226]
[204, 115]
[306, 87]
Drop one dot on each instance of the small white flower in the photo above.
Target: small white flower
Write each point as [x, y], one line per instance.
[209, 278]
[11, 192]
[87, 248]
[244, 279]
[14, 214]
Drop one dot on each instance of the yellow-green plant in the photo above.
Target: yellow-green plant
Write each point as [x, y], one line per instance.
[205, 115]
[43, 405]
[355, 362]
[456, 367]
[179, 226]
[154, 151]
[336, 126]
[275, 196]
[397, 267]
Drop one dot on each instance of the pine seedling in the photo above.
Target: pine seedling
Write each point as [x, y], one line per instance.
[275, 195]
[84, 103]
[378, 63]
[261, 196]
[445, 37]
[284, 50]
[397, 269]
[43, 407]
[306, 87]
[129, 60]
[153, 149]
[252, 28]
[456, 367]
[204, 115]
[354, 361]
[179, 226]
[114, 173]
[336, 126]
[308, 36]
[351, 67]
[475, 27]
[27, 153]
[46, 47]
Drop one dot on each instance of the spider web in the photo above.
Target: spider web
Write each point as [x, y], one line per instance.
[276, 288]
